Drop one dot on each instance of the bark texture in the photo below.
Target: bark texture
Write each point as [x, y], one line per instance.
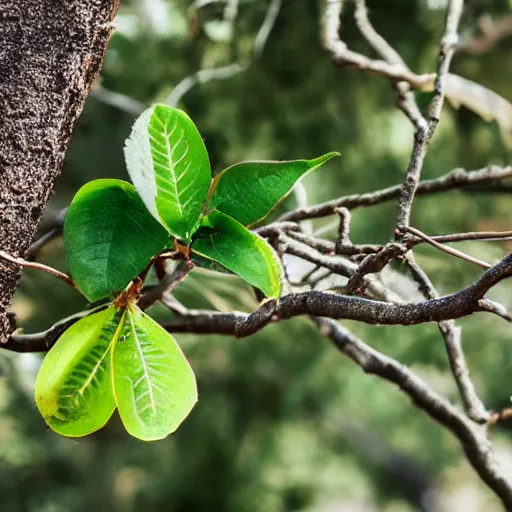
[50, 53]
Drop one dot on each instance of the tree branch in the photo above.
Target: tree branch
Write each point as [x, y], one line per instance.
[39, 266]
[472, 437]
[448, 250]
[406, 100]
[487, 179]
[342, 56]
[331, 305]
[335, 306]
[492, 32]
[423, 134]
[452, 339]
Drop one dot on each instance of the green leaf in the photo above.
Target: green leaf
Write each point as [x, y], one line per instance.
[169, 166]
[249, 191]
[208, 264]
[109, 237]
[226, 241]
[73, 389]
[154, 385]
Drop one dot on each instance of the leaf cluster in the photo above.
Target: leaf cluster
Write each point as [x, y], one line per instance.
[113, 232]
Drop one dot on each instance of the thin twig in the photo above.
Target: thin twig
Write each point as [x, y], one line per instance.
[324, 246]
[343, 240]
[43, 240]
[453, 342]
[406, 100]
[496, 308]
[230, 70]
[315, 280]
[277, 227]
[503, 415]
[372, 264]
[342, 56]
[423, 134]
[330, 248]
[472, 437]
[492, 32]
[118, 100]
[266, 28]
[53, 229]
[43, 341]
[340, 266]
[201, 77]
[39, 266]
[448, 250]
[483, 236]
[307, 276]
[489, 179]
[155, 293]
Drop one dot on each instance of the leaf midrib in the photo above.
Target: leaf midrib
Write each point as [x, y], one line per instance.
[144, 366]
[117, 332]
[171, 165]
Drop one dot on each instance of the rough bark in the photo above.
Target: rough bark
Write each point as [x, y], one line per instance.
[51, 51]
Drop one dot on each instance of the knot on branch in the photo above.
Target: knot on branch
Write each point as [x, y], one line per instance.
[374, 263]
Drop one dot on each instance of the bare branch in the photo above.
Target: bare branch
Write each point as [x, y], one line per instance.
[423, 134]
[340, 266]
[472, 437]
[373, 263]
[39, 266]
[53, 230]
[277, 228]
[43, 341]
[502, 415]
[492, 32]
[343, 241]
[448, 250]
[266, 28]
[335, 306]
[453, 343]
[118, 100]
[201, 77]
[331, 248]
[155, 293]
[483, 236]
[342, 56]
[495, 308]
[230, 70]
[405, 96]
[486, 179]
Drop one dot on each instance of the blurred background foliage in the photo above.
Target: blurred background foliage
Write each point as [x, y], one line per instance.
[284, 422]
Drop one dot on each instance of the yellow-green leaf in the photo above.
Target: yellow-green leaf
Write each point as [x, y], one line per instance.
[154, 385]
[73, 389]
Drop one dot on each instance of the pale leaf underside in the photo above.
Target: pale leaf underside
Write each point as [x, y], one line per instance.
[169, 167]
[154, 385]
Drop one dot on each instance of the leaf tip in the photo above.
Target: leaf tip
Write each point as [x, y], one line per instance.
[325, 158]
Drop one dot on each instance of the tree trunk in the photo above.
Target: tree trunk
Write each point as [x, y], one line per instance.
[50, 53]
